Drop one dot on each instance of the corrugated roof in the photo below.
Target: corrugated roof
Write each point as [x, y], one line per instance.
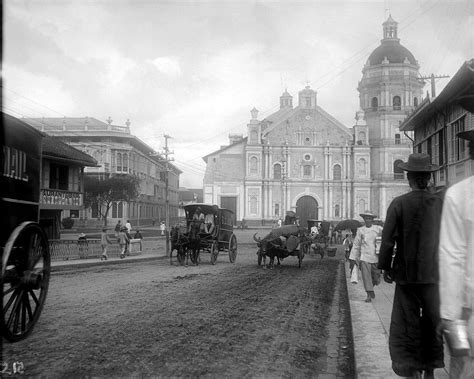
[53, 148]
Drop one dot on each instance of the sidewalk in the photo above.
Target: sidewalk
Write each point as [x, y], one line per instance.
[370, 329]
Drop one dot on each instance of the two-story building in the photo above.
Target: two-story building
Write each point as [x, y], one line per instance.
[117, 151]
[41, 173]
[436, 122]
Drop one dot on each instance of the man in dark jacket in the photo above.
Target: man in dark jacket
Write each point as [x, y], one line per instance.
[408, 256]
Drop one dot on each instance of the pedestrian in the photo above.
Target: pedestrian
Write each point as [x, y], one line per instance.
[117, 229]
[279, 222]
[456, 263]
[139, 236]
[104, 242]
[153, 221]
[123, 242]
[409, 256]
[162, 227]
[347, 244]
[364, 253]
[128, 226]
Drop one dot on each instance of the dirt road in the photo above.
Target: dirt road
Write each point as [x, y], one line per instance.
[228, 320]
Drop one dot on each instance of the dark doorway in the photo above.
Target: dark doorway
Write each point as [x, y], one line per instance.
[230, 202]
[306, 209]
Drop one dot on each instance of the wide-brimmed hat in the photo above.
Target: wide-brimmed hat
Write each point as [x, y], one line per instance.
[418, 162]
[468, 134]
[367, 213]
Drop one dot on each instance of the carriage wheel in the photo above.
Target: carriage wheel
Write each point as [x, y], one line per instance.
[181, 255]
[232, 248]
[26, 268]
[214, 252]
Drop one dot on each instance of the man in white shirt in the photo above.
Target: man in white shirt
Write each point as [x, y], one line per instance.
[456, 261]
[364, 253]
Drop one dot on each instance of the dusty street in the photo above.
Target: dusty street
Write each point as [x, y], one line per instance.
[228, 320]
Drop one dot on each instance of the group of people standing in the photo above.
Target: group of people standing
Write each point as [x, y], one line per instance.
[426, 248]
[123, 236]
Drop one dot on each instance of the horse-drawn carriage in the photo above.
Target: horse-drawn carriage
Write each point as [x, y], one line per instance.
[25, 258]
[318, 236]
[208, 228]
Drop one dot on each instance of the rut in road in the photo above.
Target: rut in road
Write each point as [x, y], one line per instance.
[236, 321]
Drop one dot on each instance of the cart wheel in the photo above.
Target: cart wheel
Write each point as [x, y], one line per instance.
[181, 255]
[214, 252]
[26, 268]
[232, 248]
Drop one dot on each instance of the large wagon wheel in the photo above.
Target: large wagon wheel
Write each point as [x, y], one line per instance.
[232, 248]
[214, 252]
[26, 268]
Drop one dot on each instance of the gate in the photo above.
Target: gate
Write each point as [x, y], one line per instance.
[306, 208]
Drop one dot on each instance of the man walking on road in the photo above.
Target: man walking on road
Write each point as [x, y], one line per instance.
[364, 253]
[456, 259]
[409, 256]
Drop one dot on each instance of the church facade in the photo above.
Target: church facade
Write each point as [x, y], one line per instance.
[302, 159]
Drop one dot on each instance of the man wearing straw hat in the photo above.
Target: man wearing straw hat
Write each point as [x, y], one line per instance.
[409, 256]
[456, 258]
[364, 252]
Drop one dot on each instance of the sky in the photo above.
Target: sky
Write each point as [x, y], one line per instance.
[194, 69]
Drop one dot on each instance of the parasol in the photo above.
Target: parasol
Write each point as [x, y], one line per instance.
[348, 224]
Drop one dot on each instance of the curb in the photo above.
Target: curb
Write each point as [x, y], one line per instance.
[85, 264]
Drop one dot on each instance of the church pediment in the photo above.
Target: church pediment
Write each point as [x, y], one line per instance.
[307, 127]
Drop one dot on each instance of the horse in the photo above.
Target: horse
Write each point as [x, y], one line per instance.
[194, 240]
[178, 242]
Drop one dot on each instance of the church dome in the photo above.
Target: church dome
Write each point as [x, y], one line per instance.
[393, 51]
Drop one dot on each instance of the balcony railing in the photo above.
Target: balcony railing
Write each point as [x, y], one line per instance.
[60, 199]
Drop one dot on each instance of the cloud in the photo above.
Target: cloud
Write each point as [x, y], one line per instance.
[167, 65]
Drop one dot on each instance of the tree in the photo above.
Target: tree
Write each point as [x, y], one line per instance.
[105, 191]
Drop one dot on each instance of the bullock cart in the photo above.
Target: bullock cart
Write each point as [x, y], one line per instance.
[318, 233]
[25, 257]
[210, 229]
[282, 242]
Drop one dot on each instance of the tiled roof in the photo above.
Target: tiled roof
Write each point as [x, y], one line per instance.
[53, 148]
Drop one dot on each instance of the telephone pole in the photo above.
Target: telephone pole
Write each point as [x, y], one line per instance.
[167, 153]
[432, 78]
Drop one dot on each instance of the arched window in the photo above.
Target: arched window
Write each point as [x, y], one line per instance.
[397, 103]
[374, 103]
[415, 101]
[337, 211]
[253, 169]
[336, 172]
[307, 170]
[119, 161]
[361, 138]
[277, 171]
[125, 162]
[398, 172]
[117, 209]
[362, 167]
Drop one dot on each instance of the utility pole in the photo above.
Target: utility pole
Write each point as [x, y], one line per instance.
[167, 153]
[432, 78]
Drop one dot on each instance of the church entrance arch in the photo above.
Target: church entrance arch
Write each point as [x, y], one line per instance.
[306, 209]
